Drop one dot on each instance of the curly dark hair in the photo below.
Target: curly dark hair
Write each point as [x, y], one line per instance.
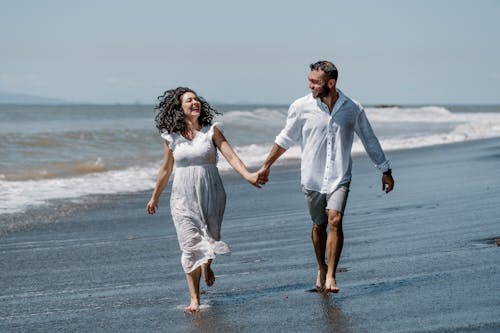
[169, 115]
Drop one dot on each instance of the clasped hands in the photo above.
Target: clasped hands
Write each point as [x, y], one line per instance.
[259, 178]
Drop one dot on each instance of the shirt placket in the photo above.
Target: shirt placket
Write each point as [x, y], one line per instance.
[329, 145]
[328, 155]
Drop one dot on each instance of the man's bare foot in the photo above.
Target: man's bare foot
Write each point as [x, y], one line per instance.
[331, 285]
[320, 280]
[209, 275]
[193, 307]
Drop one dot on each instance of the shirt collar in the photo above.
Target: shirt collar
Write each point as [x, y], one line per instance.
[341, 100]
[337, 105]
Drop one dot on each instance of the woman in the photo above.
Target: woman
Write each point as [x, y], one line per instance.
[198, 198]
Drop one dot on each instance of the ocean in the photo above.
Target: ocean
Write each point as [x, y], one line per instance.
[61, 152]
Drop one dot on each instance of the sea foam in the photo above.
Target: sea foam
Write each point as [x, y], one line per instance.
[397, 128]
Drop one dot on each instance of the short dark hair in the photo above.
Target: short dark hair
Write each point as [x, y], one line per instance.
[326, 67]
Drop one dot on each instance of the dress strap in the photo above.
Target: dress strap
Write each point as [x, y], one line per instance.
[219, 126]
[169, 138]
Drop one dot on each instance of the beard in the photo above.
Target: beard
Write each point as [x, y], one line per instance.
[323, 91]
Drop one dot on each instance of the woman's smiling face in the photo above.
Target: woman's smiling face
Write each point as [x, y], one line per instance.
[191, 105]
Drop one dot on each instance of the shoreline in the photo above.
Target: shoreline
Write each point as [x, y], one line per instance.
[57, 209]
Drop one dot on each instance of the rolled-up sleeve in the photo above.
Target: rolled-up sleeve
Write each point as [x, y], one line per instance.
[292, 132]
[372, 146]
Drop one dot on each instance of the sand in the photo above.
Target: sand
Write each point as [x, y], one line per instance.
[420, 259]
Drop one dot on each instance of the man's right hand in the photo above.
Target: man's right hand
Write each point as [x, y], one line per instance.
[263, 175]
[274, 154]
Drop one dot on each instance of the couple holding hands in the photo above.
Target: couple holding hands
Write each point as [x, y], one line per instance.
[322, 122]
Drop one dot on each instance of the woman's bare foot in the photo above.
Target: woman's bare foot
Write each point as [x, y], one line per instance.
[193, 307]
[193, 281]
[320, 280]
[331, 285]
[209, 275]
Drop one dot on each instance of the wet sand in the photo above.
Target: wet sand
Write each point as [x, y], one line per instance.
[421, 259]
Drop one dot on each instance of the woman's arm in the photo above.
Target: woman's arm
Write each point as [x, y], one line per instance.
[162, 180]
[232, 158]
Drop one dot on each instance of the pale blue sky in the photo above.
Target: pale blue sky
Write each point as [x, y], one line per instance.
[387, 51]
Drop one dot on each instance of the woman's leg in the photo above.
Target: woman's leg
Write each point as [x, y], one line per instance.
[193, 281]
[208, 274]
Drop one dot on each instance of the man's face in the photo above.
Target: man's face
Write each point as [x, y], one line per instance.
[318, 84]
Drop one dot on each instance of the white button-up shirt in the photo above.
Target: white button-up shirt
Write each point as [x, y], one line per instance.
[326, 140]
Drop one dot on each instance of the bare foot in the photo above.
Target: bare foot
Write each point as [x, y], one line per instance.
[331, 285]
[320, 280]
[193, 307]
[209, 275]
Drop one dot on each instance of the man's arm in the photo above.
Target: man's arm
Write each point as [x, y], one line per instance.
[289, 135]
[274, 154]
[373, 148]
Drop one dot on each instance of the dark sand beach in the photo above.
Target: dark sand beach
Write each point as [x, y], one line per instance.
[421, 259]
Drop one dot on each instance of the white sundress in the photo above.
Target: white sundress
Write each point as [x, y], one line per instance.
[198, 198]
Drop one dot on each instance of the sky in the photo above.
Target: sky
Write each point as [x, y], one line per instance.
[259, 51]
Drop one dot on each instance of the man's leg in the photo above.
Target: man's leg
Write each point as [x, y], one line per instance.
[335, 206]
[319, 237]
[335, 242]
[316, 203]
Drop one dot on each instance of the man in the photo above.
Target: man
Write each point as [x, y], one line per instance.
[324, 123]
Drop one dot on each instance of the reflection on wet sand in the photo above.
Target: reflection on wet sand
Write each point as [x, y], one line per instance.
[211, 320]
[335, 320]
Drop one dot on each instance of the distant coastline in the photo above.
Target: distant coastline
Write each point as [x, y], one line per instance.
[25, 99]
[10, 98]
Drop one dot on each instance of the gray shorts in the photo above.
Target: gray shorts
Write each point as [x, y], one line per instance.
[319, 203]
